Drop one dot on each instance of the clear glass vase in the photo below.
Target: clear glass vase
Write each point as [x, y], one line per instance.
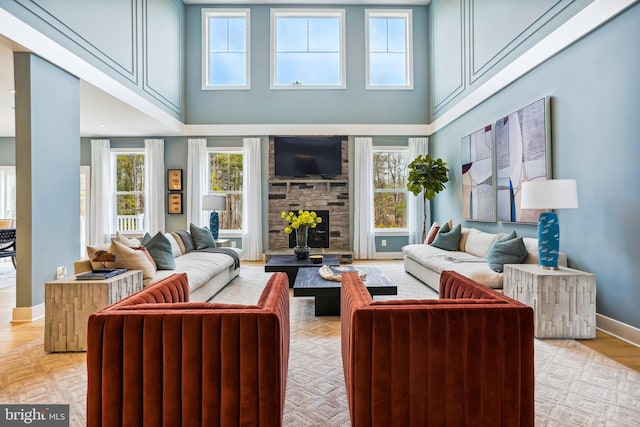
[301, 249]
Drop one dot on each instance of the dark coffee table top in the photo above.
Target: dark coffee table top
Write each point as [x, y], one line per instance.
[292, 261]
[309, 283]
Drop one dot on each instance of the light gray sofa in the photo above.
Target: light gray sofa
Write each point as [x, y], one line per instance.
[426, 262]
[208, 272]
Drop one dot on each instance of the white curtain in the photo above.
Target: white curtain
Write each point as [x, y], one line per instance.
[363, 233]
[415, 204]
[154, 206]
[197, 184]
[101, 211]
[251, 200]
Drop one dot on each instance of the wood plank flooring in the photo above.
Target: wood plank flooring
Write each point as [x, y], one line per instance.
[13, 335]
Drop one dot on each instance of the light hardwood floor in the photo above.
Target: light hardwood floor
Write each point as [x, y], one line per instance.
[13, 335]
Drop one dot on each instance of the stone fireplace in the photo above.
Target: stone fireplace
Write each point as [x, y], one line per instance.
[326, 196]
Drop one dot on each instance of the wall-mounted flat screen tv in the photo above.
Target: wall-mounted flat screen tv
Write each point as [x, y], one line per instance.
[307, 155]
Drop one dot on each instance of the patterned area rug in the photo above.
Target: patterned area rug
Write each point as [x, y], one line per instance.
[575, 386]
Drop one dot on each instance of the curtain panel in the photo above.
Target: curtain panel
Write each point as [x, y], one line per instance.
[197, 183]
[252, 200]
[154, 207]
[415, 205]
[101, 218]
[363, 233]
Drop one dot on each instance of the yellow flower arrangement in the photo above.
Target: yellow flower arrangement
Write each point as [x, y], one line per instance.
[301, 219]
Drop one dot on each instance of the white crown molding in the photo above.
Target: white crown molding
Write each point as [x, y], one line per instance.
[36, 42]
[313, 2]
[581, 24]
[308, 129]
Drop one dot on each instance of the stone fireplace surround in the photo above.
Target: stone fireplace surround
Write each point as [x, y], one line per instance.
[313, 194]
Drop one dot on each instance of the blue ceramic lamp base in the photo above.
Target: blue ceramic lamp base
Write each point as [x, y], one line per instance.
[548, 240]
[214, 224]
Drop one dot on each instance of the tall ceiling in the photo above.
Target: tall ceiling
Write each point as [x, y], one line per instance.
[104, 115]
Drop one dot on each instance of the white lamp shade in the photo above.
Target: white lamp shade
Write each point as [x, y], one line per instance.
[212, 202]
[549, 194]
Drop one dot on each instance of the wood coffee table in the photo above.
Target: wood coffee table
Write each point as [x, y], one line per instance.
[290, 264]
[327, 292]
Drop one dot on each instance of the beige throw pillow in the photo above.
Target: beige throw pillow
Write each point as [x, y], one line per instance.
[134, 259]
[131, 242]
[95, 265]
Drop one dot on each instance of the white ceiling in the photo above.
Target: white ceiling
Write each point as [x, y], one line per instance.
[317, 2]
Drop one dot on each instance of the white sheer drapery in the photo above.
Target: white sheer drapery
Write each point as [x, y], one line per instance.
[101, 211]
[154, 186]
[251, 200]
[197, 184]
[363, 232]
[415, 204]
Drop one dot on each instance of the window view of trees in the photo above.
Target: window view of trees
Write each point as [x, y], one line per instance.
[130, 191]
[389, 189]
[225, 177]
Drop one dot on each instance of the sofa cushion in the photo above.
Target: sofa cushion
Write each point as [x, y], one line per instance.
[448, 239]
[160, 249]
[508, 250]
[132, 242]
[435, 227]
[175, 247]
[179, 241]
[200, 267]
[478, 242]
[187, 240]
[202, 237]
[96, 265]
[134, 259]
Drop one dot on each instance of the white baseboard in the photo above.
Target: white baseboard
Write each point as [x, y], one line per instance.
[618, 329]
[388, 255]
[27, 314]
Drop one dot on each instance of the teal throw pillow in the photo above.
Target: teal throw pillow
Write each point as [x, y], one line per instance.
[202, 237]
[506, 251]
[159, 248]
[449, 239]
[145, 239]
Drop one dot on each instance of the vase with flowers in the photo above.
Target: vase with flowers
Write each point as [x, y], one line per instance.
[300, 223]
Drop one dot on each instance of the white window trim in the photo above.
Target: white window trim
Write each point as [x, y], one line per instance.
[404, 231]
[114, 152]
[224, 150]
[276, 13]
[390, 13]
[236, 12]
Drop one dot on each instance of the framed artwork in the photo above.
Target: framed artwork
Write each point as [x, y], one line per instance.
[174, 203]
[478, 190]
[523, 153]
[174, 179]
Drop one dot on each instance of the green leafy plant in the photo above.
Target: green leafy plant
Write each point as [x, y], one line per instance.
[427, 176]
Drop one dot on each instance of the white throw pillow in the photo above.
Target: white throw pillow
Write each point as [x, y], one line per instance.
[478, 242]
[175, 248]
[131, 242]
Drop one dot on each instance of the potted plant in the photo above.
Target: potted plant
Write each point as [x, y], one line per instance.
[426, 176]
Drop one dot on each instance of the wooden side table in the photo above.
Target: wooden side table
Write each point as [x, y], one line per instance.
[68, 303]
[563, 301]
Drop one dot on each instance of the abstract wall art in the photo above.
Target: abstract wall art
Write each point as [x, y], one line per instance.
[523, 153]
[478, 190]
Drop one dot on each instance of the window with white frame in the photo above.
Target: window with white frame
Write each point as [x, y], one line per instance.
[225, 178]
[307, 49]
[389, 49]
[8, 192]
[225, 46]
[390, 188]
[128, 172]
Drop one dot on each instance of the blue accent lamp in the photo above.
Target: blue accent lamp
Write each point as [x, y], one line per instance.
[549, 194]
[214, 203]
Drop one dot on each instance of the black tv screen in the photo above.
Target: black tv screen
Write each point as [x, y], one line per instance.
[307, 155]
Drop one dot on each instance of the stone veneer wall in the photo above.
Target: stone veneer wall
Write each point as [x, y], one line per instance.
[293, 194]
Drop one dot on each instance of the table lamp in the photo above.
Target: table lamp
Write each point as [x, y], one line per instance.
[549, 194]
[214, 203]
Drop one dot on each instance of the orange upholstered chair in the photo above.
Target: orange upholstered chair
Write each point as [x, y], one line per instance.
[465, 359]
[155, 359]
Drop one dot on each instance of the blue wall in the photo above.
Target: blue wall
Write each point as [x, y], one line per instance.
[595, 105]
[263, 105]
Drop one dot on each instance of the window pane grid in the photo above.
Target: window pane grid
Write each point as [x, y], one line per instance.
[389, 193]
[225, 55]
[388, 49]
[129, 194]
[225, 178]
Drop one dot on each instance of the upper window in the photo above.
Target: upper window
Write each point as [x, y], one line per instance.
[225, 46]
[129, 194]
[389, 48]
[307, 49]
[225, 178]
[390, 188]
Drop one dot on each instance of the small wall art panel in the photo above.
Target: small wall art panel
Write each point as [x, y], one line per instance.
[478, 190]
[523, 153]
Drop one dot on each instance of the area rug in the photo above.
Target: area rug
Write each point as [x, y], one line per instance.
[575, 386]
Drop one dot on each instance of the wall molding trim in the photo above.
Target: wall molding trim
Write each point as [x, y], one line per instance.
[27, 314]
[584, 22]
[37, 43]
[308, 129]
[618, 329]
